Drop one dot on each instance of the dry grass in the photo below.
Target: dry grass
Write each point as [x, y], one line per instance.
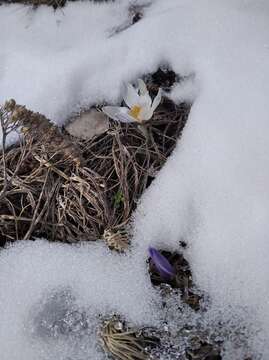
[54, 3]
[70, 190]
[124, 343]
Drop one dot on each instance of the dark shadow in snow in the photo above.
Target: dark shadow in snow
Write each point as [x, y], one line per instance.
[135, 14]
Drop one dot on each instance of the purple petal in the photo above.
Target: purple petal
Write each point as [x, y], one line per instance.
[162, 265]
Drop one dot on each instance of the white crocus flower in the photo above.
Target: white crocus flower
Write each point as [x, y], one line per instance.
[140, 105]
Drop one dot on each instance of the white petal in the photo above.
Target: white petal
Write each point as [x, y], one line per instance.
[146, 113]
[157, 100]
[142, 87]
[114, 111]
[145, 100]
[118, 113]
[131, 97]
[126, 118]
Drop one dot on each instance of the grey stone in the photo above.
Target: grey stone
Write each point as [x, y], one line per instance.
[88, 124]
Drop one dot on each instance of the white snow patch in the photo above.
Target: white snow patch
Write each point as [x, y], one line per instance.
[41, 283]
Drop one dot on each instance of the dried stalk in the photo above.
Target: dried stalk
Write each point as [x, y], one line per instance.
[69, 190]
[123, 343]
[42, 130]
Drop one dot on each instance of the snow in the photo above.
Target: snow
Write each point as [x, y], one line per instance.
[42, 281]
[213, 190]
[54, 57]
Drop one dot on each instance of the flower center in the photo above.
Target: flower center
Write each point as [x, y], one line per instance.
[135, 111]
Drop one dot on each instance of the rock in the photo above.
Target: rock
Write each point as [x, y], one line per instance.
[88, 124]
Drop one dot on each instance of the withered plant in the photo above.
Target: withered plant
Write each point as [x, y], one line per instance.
[69, 190]
[124, 343]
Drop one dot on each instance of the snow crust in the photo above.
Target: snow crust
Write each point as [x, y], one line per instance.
[54, 296]
[213, 191]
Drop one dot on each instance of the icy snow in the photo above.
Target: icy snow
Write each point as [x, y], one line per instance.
[213, 190]
[42, 281]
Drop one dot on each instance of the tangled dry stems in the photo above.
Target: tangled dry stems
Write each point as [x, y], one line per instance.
[124, 343]
[71, 190]
[54, 3]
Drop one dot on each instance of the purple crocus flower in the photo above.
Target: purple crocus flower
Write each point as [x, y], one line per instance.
[163, 266]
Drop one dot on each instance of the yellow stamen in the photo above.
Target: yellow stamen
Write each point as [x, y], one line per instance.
[135, 111]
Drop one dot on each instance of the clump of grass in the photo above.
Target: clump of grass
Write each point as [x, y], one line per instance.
[125, 343]
[117, 239]
[67, 189]
[54, 3]
[44, 189]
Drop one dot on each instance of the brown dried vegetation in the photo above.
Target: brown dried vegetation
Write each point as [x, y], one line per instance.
[54, 3]
[125, 343]
[71, 190]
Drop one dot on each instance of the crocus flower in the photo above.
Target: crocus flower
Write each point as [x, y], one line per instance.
[140, 106]
[163, 266]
